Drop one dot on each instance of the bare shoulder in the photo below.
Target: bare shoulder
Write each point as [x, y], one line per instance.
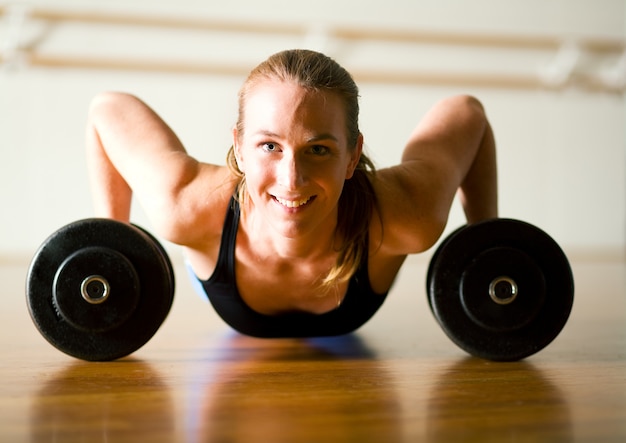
[198, 209]
[406, 221]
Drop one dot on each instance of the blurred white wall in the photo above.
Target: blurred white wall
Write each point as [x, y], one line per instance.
[561, 153]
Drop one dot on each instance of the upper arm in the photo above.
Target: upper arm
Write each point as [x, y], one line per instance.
[410, 217]
[415, 196]
[174, 189]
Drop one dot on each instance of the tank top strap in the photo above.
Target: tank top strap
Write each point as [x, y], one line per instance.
[225, 267]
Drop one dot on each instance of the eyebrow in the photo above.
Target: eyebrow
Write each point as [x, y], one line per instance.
[321, 137]
[266, 133]
[315, 138]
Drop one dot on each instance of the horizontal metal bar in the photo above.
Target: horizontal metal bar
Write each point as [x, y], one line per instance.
[593, 44]
[486, 80]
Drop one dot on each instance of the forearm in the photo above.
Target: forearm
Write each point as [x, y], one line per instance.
[111, 194]
[478, 192]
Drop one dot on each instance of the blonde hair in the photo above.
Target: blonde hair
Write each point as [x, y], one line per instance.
[316, 71]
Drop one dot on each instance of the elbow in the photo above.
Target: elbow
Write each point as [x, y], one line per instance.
[470, 103]
[470, 110]
[466, 108]
[473, 110]
[105, 102]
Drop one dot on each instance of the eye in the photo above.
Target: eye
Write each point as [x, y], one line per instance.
[319, 150]
[269, 147]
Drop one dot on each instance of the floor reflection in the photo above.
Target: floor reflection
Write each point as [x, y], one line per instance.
[102, 402]
[293, 390]
[477, 400]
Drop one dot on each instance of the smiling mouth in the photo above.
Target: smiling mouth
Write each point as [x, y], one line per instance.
[293, 203]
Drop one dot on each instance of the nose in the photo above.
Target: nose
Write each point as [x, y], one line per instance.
[290, 173]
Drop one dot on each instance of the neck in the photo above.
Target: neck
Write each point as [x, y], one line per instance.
[270, 242]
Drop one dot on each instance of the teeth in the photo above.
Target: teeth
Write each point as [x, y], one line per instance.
[292, 203]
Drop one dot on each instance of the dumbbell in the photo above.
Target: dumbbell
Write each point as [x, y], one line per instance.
[500, 289]
[98, 289]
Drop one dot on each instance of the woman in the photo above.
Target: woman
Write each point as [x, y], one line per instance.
[297, 235]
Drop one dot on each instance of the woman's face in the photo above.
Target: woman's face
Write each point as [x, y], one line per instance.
[295, 157]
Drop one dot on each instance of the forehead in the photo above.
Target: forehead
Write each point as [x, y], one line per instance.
[278, 105]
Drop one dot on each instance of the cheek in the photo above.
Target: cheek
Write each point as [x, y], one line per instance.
[335, 181]
[257, 175]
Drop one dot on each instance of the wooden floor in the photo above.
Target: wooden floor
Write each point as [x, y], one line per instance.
[398, 380]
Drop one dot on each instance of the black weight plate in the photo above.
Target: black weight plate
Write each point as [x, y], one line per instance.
[127, 328]
[435, 256]
[520, 300]
[96, 289]
[474, 256]
[165, 260]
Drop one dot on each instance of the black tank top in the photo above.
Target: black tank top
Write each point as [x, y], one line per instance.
[358, 306]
